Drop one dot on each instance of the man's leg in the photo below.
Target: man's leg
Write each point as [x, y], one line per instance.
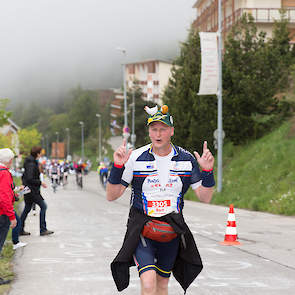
[27, 209]
[15, 231]
[162, 285]
[4, 227]
[41, 203]
[166, 254]
[148, 281]
[144, 258]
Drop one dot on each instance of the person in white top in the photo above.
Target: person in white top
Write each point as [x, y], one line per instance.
[160, 174]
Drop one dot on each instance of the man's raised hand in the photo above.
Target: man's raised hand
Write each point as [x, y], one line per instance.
[206, 161]
[121, 155]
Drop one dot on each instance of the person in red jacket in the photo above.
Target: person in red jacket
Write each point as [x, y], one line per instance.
[7, 216]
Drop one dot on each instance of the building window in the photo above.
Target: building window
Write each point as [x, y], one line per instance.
[151, 67]
[131, 69]
[288, 3]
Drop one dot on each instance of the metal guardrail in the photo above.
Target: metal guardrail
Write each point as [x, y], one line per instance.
[269, 15]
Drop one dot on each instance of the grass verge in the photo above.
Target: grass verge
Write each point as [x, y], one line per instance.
[260, 176]
[6, 271]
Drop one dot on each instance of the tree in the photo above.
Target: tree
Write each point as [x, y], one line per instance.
[4, 115]
[280, 49]
[83, 107]
[194, 116]
[6, 141]
[251, 77]
[27, 139]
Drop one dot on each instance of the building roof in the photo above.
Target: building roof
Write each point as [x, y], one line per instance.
[168, 61]
[10, 126]
[196, 4]
[16, 127]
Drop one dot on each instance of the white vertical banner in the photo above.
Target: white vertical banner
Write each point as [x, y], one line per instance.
[209, 64]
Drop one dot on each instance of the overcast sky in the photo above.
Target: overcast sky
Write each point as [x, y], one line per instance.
[50, 46]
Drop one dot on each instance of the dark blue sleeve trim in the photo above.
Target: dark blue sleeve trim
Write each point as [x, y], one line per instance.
[116, 175]
[124, 183]
[207, 178]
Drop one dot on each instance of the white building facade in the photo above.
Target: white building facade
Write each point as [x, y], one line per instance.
[151, 75]
[264, 12]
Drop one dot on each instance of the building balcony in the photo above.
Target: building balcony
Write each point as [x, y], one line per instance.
[268, 15]
[115, 106]
[260, 15]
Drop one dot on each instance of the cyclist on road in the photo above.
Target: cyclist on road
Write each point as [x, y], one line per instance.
[160, 173]
[54, 173]
[79, 171]
[66, 170]
[103, 170]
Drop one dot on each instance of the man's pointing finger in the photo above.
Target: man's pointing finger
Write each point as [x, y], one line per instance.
[204, 146]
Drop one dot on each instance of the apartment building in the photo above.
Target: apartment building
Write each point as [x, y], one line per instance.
[151, 75]
[264, 12]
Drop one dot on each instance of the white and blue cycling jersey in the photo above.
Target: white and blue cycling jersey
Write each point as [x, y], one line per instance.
[154, 194]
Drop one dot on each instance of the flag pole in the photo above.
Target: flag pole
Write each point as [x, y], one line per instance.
[219, 116]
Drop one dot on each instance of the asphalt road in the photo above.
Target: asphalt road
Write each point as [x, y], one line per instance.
[89, 232]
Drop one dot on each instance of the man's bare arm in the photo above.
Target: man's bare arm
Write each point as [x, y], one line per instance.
[114, 191]
[204, 194]
[114, 188]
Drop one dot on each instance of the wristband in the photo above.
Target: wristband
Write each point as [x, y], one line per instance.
[116, 174]
[118, 166]
[207, 178]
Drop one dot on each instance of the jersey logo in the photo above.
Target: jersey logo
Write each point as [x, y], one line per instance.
[150, 166]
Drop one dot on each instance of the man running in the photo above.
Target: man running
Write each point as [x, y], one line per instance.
[160, 173]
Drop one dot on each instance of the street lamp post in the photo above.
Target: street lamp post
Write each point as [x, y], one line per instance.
[125, 128]
[43, 142]
[56, 145]
[82, 140]
[99, 136]
[46, 146]
[133, 136]
[68, 141]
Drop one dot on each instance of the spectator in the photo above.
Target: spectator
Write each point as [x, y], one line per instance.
[15, 231]
[15, 234]
[31, 178]
[7, 216]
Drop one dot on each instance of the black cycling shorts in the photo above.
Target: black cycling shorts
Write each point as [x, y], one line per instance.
[156, 256]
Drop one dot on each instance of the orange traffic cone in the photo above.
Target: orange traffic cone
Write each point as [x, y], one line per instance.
[231, 236]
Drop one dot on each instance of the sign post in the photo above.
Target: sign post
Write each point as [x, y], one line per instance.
[219, 117]
[211, 81]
